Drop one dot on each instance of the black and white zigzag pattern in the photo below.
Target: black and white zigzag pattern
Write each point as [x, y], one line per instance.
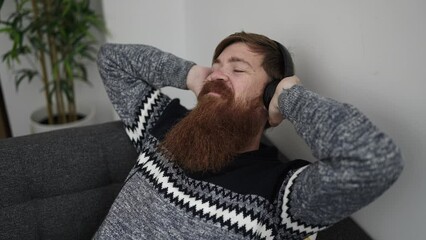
[291, 224]
[233, 217]
[136, 132]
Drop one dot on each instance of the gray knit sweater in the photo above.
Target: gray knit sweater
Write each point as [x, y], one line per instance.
[356, 163]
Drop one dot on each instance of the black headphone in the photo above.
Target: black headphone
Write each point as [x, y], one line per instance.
[288, 70]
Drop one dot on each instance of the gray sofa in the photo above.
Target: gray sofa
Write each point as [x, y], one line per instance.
[60, 185]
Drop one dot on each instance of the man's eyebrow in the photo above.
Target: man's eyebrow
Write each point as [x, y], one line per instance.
[234, 59]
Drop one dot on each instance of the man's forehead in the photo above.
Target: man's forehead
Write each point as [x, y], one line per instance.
[240, 52]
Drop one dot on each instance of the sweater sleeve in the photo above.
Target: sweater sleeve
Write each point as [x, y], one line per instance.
[131, 71]
[357, 162]
[132, 75]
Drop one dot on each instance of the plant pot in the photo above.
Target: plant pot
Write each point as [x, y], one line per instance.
[40, 114]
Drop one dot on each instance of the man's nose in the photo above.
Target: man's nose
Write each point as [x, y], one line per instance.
[218, 75]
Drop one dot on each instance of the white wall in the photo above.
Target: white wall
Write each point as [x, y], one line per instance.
[20, 104]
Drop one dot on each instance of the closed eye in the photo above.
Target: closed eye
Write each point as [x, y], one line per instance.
[238, 71]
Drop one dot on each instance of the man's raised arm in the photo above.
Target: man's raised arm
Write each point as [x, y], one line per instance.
[131, 72]
[357, 162]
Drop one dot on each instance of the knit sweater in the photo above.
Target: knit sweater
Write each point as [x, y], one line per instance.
[257, 197]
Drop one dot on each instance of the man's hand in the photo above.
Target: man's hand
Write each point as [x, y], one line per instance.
[196, 78]
[275, 116]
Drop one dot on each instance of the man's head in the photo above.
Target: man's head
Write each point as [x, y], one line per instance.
[229, 117]
[247, 62]
[263, 52]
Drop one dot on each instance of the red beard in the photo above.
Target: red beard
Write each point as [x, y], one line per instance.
[215, 131]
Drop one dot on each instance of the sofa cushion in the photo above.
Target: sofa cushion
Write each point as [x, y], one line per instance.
[69, 216]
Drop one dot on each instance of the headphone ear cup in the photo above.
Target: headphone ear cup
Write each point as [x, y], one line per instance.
[288, 72]
[269, 92]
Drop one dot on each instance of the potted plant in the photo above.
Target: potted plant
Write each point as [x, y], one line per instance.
[56, 35]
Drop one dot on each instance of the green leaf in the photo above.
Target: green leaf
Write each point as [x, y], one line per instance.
[6, 30]
[23, 74]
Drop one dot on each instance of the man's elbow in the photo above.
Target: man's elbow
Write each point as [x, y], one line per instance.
[387, 168]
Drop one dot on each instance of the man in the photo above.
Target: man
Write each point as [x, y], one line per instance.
[204, 174]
